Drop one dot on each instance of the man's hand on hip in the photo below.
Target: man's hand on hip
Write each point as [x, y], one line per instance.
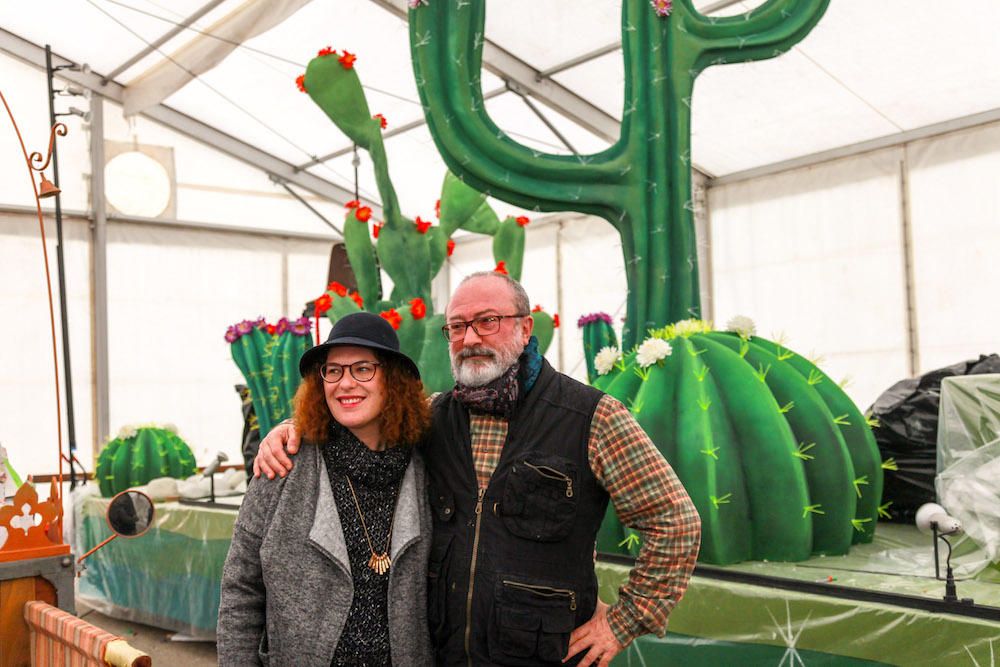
[271, 458]
[595, 637]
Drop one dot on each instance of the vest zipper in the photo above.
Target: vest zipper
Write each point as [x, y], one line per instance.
[552, 473]
[545, 591]
[472, 577]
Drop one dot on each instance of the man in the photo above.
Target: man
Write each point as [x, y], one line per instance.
[522, 461]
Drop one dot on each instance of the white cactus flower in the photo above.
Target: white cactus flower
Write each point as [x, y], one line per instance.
[651, 351]
[688, 327]
[127, 432]
[606, 359]
[742, 325]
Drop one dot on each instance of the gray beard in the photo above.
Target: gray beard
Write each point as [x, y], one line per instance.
[477, 374]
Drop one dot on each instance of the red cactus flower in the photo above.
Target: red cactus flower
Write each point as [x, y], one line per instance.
[501, 268]
[325, 51]
[437, 209]
[376, 229]
[451, 246]
[363, 213]
[354, 203]
[358, 300]
[336, 288]
[522, 220]
[383, 123]
[271, 329]
[418, 308]
[392, 317]
[555, 320]
[324, 303]
[537, 308]
[347, 60]
[300, 83]
[422, 225]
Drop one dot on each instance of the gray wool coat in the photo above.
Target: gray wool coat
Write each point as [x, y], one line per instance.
[287, 586]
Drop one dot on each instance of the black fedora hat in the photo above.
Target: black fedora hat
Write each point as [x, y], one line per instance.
[362, 329]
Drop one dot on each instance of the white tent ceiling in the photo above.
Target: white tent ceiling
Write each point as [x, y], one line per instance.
[868, 70]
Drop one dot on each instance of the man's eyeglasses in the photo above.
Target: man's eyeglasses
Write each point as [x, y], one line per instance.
[483, 326]
[362, 371]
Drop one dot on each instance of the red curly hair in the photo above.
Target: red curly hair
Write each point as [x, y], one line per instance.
[406, 415]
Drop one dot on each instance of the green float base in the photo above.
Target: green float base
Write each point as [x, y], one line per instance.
[725, 622]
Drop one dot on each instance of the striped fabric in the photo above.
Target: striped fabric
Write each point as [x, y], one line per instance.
[59, 639]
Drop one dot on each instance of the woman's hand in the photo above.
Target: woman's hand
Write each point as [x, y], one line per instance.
[271, 458]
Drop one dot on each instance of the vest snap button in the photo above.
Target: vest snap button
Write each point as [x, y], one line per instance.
[447, 510]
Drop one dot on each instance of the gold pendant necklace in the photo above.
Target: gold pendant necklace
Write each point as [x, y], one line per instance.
[379, 562]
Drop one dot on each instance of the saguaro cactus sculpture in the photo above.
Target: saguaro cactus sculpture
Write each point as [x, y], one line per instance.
[705, 405]
[641, 184]
[411, 252]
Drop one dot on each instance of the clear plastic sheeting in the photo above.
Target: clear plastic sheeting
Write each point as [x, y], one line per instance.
[968, 457]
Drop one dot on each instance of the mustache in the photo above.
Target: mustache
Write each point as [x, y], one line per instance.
[477, 352]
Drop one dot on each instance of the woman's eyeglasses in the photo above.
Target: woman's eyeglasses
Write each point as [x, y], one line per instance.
[362, 371]
[483, 326]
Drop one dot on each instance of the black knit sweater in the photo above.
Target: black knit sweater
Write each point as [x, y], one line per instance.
[376, 477]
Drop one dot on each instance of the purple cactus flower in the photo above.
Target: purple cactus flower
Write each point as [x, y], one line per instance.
[662, 7]
[244, 327]
[282, 326]
[301, 326]
[260, 322]
[232, 335]
[592, 318]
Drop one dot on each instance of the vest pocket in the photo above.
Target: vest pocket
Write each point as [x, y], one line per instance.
[539, 498]
[437, 589]
[532, 622]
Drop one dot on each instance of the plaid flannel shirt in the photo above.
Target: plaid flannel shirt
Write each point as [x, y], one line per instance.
[647, 496]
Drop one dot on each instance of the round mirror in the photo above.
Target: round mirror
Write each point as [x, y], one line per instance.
[130, 513]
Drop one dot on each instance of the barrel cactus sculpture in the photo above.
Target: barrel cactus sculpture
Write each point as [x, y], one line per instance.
[410, 251]
[268, 356]
[140, 454]
[780, 462]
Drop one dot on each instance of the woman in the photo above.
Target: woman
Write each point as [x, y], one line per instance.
[328, 565]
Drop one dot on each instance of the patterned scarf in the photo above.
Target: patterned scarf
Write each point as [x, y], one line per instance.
[500, 396]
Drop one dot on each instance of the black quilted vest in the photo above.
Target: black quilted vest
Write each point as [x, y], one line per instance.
[512, 572]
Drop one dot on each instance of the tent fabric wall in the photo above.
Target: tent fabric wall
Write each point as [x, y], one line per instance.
[816, 254]
[27, 394]
[172, 293]
[955, 202]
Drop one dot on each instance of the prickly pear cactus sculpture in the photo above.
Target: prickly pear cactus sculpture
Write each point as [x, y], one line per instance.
[140, 454]
[778, 460]
[268, 356]
[411, 252]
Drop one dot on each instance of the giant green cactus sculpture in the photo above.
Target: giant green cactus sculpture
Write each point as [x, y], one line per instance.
[776, 457]
[268, 356]
[139, 455]
[641, 184]
[731, 429]
[411, 252]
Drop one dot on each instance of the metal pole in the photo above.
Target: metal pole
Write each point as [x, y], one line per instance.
[61, 269]
[909, 276]
[99, 269]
